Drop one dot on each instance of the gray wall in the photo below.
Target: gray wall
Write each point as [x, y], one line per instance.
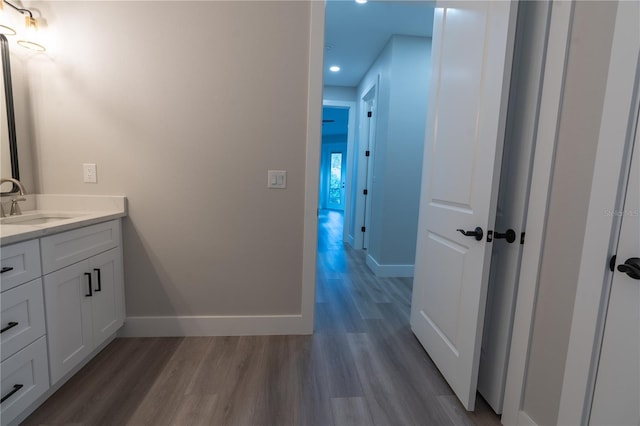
[184, 108]
[404, 67]
[591, 39]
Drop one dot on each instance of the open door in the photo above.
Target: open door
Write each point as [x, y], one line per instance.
[471, 68]
[617, 388]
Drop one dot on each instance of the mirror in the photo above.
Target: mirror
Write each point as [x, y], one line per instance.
[8, 143]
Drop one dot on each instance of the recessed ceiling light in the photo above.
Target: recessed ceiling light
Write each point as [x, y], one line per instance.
[334, 68]
[361, 1]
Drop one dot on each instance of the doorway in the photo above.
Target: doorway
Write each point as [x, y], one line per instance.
[333, 162]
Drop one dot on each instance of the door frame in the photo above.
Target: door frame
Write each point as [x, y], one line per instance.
[312, 167]
[365, 177]
[551, 97]
[550, 105]
[612, 165]
[348, 195]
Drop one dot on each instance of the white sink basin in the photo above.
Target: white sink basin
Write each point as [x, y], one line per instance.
[37, 218]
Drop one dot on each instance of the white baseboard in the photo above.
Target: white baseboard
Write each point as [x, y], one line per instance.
[524, 420]
[350, 240]
[213, 326]
[389, 270]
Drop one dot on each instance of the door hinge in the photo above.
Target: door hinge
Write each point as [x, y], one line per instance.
[369, 114]
[363, 229]
[365, 192]
[522, 238]
[367, 153]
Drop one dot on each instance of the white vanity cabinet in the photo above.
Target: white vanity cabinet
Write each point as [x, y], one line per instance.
[84, 298]
[62, 299]
[23, 348]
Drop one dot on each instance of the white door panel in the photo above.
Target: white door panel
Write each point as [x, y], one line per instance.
[471, 65]
[616, 399]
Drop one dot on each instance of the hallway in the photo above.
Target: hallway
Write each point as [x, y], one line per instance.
[381, 366]
[363, 366]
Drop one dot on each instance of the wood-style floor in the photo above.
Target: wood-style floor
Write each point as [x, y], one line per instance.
[363, 366]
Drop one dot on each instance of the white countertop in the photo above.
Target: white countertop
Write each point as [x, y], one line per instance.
[84, 210]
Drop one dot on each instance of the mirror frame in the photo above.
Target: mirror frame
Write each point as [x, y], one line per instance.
[11, 118]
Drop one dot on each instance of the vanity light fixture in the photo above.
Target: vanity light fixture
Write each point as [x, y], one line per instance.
[334, 68]
[5, 24]
[30, 29]
[361, 1]
[31, 25]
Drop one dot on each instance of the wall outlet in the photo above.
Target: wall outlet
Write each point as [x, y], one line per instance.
[90, 173]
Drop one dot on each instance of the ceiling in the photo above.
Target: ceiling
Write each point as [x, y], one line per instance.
[356, 33]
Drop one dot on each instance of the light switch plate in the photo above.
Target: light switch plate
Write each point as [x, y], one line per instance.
[90, 173]
[277, 179]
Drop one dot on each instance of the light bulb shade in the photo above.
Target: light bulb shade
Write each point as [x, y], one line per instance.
[7, 26]
[32, 45]
[29, 39]
[6, 30]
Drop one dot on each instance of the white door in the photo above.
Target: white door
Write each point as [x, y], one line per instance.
[67, 297]
[471, 66]
[106, 302]
[370, 126]
[616, 399]
[336, 173]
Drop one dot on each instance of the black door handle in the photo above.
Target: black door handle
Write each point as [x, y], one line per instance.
[6, 269]
[99, 280]
[631, 267]
[15, 389]
[510, 235]
[477, 233]
[9, 326]
[88, 274]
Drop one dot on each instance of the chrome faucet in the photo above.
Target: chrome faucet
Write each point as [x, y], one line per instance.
[15, 207]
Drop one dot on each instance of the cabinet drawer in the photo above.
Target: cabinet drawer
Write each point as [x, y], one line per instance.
[67, 248]
[22, 317]
[25, 376]
[20, 264]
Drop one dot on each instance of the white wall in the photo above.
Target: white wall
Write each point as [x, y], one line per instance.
[184, 108]
[587, 68]
[339, 93]
[404, 70]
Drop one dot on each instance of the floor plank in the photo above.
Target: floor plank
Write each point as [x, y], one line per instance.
[351, 412]
[362, 365]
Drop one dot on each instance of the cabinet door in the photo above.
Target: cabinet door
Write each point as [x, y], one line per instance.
[69, 325]
[107, 302]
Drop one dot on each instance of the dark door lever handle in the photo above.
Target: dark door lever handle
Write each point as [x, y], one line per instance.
[477, 233]
[510, 235]
[631, 267]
